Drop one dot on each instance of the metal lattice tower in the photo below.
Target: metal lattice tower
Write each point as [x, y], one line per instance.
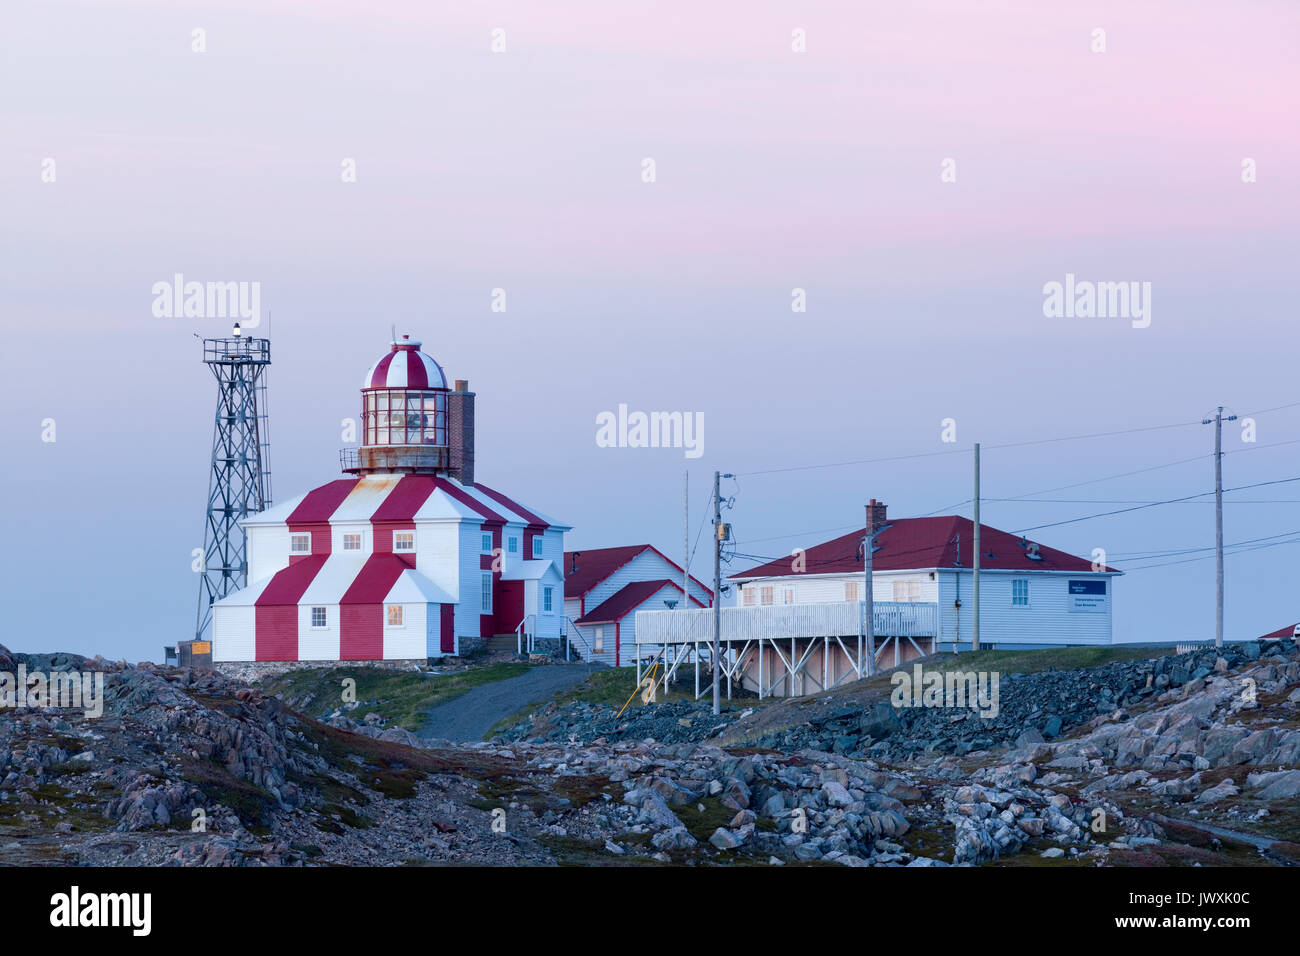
[240, 480]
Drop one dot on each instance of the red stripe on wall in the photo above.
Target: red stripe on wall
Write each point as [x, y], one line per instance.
[361, 609]
[361, 632]
[275, 634]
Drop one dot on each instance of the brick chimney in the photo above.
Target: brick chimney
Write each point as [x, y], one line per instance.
[460, 432]
[875, 516]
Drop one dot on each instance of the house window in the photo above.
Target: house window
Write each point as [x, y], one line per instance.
[766, 595]
[486, 544]
[1020, 592]
[537, 546]
[395, 616]
[907, 590]
[850, 590]
[487, 593]
[352, 542]
[749, 596]
[598, 641]
[404, 541]
[513, 546]
[789, 595]
[548, 600]
[300, 544]
[318, 617]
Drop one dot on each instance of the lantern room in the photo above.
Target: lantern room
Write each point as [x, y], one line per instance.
[404, 399]
[410, 421]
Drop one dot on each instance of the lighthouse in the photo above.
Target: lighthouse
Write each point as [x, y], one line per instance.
[406, 557]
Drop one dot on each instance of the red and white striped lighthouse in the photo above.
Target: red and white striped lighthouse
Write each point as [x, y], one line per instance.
[409, 557]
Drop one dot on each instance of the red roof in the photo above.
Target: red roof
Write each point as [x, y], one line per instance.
[914, 543]
[596, 564]
[1287, 631]
[629, 598]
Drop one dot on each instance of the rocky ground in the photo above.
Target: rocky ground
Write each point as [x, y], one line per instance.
[1174, 760]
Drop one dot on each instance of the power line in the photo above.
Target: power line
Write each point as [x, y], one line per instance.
[1153, 504]
[1202, 557]
[1174, 552]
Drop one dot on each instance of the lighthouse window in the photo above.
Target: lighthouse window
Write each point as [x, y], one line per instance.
[548, 600]
[395, 615]
[487, 594]
[352, 542]
[300, 544]
[537, 546]
[513, 547]
[404, 541]
[318, 617]
[486, 544]
[405, 417]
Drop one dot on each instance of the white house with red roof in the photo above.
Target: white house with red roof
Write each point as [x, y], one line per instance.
[408, 558]
[605, 587]
[798, 626]
[1030, 595]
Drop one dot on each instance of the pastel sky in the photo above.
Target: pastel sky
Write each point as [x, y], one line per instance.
[775, 170]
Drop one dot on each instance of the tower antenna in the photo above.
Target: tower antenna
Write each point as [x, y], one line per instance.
[239, 482]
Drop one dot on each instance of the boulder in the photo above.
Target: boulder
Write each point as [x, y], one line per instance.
[1281, 786]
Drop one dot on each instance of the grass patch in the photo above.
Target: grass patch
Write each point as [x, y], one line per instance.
[400, 697]
[701, 823]
[251, 803]
[1054, 658]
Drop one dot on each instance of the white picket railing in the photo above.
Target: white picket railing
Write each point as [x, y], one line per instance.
[773, 621]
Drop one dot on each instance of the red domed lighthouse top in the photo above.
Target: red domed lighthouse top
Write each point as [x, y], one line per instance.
[405, 367]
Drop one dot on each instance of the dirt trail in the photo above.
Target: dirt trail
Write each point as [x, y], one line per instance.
[471, 715]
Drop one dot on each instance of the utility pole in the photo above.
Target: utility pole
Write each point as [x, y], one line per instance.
[869, 547]
[869, 609]
[1218, 421]
[686, 541]
[975, 605]
[717, 585]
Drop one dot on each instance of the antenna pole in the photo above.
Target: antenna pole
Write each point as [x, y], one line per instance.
[1218, 421]
[717, 585]
[975, 599]
[686, 540]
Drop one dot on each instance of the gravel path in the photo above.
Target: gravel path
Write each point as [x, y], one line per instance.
[471, 715]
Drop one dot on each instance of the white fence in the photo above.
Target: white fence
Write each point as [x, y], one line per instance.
[773, 621]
